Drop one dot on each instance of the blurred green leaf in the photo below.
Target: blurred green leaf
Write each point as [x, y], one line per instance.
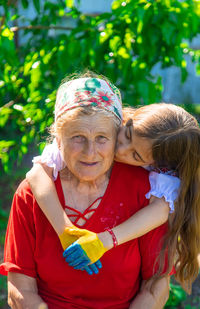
[69, 3]
[25, 4]
[4, 116]
[37, 5]
[198, 68]
[177, 296]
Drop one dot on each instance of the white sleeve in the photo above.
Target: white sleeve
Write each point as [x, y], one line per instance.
[51, 156]
[166, 186]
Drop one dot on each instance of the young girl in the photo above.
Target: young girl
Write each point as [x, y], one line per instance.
[164, 137]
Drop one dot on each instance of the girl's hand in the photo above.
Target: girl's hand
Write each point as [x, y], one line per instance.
[85, 251]
[93, 268]
[70, 235]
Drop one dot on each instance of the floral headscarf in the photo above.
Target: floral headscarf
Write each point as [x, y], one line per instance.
[88, 92]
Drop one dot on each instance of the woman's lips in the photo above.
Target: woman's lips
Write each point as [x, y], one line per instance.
[88, 163]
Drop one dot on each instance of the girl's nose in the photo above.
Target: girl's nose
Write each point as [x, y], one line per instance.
[122, 142]
[122, 148]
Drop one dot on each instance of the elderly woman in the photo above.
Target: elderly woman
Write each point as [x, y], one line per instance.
[98, 195]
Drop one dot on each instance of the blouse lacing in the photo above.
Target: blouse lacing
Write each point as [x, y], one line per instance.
[79, 215]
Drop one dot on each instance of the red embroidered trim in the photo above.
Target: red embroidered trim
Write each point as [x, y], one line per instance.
[114, 238]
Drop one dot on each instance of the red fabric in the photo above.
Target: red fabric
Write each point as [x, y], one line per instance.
[33, 248]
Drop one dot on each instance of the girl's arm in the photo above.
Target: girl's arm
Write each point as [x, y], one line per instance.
[42, 185]
[143, 221]
[151, 216]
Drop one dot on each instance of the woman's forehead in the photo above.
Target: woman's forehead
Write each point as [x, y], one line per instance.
[92, 123]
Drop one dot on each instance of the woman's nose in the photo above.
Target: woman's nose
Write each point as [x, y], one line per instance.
[90, 148]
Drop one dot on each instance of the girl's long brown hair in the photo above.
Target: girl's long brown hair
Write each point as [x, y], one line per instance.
[175, 136]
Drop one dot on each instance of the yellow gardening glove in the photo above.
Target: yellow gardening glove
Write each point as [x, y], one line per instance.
[70, 235]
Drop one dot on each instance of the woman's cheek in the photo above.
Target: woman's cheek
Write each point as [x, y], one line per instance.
[76, 147]
[107, 148]
[72, 146]
[70, 150]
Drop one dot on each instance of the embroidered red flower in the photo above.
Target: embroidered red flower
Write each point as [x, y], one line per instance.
[82, 96]
[104, 97]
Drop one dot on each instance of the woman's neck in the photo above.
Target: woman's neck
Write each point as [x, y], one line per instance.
[85, 187]
[80, 194]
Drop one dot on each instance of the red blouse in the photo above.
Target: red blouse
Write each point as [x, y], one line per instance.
[33, 248]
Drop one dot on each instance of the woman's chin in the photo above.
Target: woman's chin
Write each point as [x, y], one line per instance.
[88, 177]
[89, 174]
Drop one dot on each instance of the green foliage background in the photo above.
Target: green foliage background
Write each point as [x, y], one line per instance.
[37, 53]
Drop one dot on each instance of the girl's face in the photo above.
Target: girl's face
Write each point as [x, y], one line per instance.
[132, 149]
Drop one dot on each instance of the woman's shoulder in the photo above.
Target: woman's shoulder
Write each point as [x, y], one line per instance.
[131, 177]
[24, 190]
[132, 171]
[23, 203]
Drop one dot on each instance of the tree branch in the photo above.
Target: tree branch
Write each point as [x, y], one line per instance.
[7, 105]
[10, 103]
[30, 27]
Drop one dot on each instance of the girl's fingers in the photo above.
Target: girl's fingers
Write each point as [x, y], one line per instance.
[75, 256]
[81, 266]
[89, 271]
[98, 264]
[94, 268]
[80, 260]
[72, 250]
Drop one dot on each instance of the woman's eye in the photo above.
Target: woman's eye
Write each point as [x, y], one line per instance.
[78, 138]
[101, 139]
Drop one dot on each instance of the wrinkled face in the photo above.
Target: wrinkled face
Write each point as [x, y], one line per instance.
[87, 145]
[132, 149]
